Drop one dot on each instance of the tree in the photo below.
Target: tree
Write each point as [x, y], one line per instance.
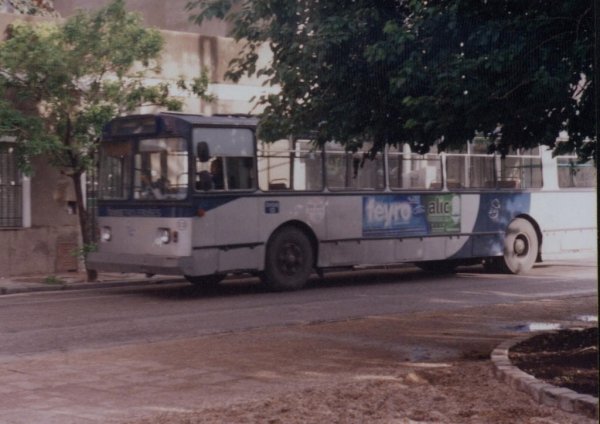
[396, 71]
[60, 83]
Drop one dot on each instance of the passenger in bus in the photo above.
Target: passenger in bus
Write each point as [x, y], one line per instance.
[204, 181]
[216, 173]
[150, 189]
[213, 179]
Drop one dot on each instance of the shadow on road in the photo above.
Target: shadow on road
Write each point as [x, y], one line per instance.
[359, 278]
[249, 285]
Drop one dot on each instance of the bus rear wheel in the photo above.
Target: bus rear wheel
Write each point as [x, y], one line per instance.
[289, 260]
[521, 247]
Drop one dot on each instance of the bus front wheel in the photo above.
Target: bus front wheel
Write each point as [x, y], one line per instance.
[521, 247]
[289, 260]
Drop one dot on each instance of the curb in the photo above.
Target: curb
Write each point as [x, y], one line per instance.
[543, 393]
[86, 286]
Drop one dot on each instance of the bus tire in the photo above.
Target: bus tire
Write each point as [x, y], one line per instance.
[438, 267]
[289, 260]
[521, 247]
[206, 281]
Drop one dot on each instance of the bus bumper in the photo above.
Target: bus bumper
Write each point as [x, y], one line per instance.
[149, 264]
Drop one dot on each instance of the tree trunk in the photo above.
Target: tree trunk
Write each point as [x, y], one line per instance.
[84, 223]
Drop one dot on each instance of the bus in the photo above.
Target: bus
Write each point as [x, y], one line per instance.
[200, 196]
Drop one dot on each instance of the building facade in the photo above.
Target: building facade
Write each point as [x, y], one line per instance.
[168, 15]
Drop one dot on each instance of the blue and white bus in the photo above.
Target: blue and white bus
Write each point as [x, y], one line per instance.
[200, 196]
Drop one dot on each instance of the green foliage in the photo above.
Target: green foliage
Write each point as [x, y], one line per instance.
[63, 82]
[420, 72]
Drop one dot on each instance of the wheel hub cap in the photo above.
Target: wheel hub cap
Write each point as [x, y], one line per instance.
[521, 246]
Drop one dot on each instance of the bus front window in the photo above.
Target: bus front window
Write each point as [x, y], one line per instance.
[161, 169]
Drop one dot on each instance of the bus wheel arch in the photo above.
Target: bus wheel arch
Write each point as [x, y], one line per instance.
[290, 256]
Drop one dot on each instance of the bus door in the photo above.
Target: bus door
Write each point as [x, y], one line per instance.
[224, 180]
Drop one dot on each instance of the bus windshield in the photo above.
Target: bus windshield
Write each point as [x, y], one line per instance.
[160, 169]
[115, 170]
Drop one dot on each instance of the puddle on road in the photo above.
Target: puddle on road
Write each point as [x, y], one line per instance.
[587, 318]
[548, 326]
[535, 326]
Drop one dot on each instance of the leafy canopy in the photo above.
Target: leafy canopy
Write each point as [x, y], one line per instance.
[421, 72]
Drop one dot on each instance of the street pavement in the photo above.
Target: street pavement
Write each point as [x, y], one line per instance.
[433, 360]
[415, 367]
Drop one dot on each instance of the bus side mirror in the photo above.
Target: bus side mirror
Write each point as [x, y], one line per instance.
[203, 152]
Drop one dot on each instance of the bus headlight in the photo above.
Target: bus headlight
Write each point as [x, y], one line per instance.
[105, 234]
[163, 236]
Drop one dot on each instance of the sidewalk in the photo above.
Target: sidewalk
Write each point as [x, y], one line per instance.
[76, 281]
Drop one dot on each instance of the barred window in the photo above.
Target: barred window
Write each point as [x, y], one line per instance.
[11, 188]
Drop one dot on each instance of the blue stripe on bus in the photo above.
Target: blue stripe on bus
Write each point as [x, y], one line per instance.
[164, 211]
[496, 211]
[145, 211]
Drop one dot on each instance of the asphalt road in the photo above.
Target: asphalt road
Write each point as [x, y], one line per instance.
[42, 323]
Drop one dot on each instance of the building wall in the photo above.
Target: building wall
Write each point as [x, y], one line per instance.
[169, 15]
[187, 54]
[47, 246]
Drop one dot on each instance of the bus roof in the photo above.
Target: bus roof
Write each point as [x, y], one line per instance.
[166, 123]
[229, 120]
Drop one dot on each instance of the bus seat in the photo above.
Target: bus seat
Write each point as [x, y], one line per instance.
[278, 186]
[514, 183]
[454, 184]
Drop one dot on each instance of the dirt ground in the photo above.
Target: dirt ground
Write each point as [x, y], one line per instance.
[567, 358]
[460, 392]
[422, 368]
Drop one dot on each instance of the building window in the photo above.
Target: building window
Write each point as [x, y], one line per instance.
[11, 189]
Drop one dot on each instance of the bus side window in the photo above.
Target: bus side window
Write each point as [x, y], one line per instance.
[239, 173]
[353, 171]
[414, 171]
[216, 174]
[571, 173]
[286, 165]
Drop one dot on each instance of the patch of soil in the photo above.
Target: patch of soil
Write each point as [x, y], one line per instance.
[567, 358]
